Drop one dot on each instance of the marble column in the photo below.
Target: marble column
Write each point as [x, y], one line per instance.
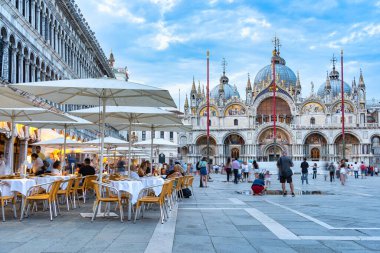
[33, 13]
[43, 28]
[20, 68]
[27, 66]
[33, 70]
[38, 19]
[38, 74]
[5, 63]
[14, 59]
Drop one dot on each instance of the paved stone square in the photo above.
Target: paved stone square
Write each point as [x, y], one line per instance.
[219, 219]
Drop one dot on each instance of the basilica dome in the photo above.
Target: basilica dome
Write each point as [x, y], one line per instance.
[335, 84]
[335, 88]
[229, 91]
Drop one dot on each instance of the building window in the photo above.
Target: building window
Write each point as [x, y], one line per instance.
[171, 136]
[153, 134]
[162, 134]
[312, 121]
[143, 137]
[236, 122]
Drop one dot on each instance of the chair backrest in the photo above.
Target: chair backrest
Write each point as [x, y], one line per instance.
[96, 188]
[77, 183]
[170, 187]
[88, 184]
[180, 183]
[164, 192]
[54, 190]
[191, 180]
[69, 186]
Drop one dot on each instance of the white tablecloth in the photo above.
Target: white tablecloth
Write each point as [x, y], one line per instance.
[150, 181]
[51, 179]
[16, 185]
[133, 187]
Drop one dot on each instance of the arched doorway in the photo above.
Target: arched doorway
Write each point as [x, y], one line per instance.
[265, 111]
[315, 154]
[267, 149]
[375, 143]
[201, 147]
[235, 152]
[234, 146]
[315, 147]
[273, 153]
[352, 149]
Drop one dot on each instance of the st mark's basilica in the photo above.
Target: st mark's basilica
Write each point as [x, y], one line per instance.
[306, 126]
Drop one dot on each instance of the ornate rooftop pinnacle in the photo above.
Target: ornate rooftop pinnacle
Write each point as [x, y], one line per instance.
[203, 91]
[193, 89]
[298, 82]
[361, 80]
[199, 88]
[249, 86]
[186, 106]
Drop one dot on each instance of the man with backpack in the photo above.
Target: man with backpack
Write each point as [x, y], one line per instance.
[331, 169]
[285, 173]
[304, 171]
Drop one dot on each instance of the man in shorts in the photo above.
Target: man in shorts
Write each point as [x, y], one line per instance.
[285, 172]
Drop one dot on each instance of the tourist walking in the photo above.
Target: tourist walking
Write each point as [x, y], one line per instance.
[304, 171]
[245, 171]
[284, 165]
[376, 170]
[228, 168]
[331, 169]
[315, 167]
[356, 170]
[203, 171]
[342, 173]
[363, 169]
[235, 168]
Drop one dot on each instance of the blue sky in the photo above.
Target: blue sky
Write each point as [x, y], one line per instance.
[164, 42]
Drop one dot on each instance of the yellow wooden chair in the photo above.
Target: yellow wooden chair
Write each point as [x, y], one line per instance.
[106, 198]
[87, 185]
[74, 191]
[160, 200]
[66, 193]
[4, 200]
[50, 197]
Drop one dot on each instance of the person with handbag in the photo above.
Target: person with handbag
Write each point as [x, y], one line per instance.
[284, 165]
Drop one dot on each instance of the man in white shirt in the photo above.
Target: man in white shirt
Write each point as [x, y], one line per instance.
[356, 170]
[37, 164]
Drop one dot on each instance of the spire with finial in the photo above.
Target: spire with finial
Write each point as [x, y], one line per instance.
[111, 60]
[353, 84]
[312, 88]
[186, 106]
[249, 85]
[298, 82]
[193, 89]
[224, 65]
[328, 84]
[203, 91]
[334, 74]
[361, 80]
[199, 88]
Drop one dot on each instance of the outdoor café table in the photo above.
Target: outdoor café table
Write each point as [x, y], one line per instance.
[13, 186]
[50, 179]
[131, 186]
[151, 181]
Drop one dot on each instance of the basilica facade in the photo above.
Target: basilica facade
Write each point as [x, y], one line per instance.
[305, 126]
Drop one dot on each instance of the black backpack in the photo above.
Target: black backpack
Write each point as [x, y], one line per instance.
[198, 165]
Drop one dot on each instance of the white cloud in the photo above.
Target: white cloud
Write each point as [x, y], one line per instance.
[377, 4]
[164, 37]
[165, 5]
[119, 9]
[261, 22]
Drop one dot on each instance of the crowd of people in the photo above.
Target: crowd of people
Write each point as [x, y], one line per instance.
[249, 171]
